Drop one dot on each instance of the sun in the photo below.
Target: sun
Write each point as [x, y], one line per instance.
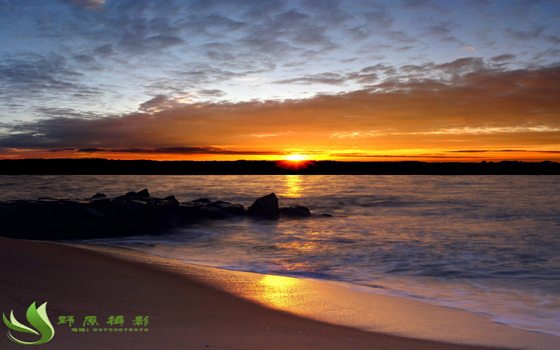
[294, 162]
[295, 157]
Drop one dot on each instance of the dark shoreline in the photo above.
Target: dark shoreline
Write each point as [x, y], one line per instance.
[243, 167]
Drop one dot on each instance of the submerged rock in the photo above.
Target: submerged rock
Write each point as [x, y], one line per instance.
[265, 207]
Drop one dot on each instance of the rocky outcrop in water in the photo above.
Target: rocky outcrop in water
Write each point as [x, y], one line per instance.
[265, 207]
[134, 213]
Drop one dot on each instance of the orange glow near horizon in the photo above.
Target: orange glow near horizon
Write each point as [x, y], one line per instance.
[296, 161]
[405, 122]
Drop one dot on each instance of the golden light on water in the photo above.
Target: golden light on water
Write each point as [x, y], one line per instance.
[278, 291]
[293, 186]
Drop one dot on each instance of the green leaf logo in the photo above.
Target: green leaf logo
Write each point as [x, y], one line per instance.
[38, 318]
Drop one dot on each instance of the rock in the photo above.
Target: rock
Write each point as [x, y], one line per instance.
[135, 213]
[201, 200]
[171, 199]
[212, 212]
[265, 207]
[136, 195]
[143, 194]
[296, 211]
[325, 215]
[234, 209]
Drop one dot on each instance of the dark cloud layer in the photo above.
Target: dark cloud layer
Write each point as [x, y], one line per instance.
[165, 150]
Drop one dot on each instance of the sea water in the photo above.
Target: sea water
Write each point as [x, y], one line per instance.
[488, 244]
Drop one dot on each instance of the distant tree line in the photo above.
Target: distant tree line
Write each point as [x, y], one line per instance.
[243, 167]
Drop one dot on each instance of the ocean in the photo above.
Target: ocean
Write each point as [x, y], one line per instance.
[487, 244]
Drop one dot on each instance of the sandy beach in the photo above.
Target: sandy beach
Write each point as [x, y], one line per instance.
[184, 306]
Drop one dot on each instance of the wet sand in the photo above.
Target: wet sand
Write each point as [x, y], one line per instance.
[188, 307]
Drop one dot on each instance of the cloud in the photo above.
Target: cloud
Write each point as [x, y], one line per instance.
[154, 103]
[364, 76]
[132, 42]
[173, 61]
[502, 58]
[524, 34]
[193, 78]
[426, 5]
[88, 4]
[161, 102]
[327, 11]
[553, 39]
[398, 156]
[156, 48]
[462, 65]
[400, 37]
[379, 16]
[501, 151]
[61, 150]
[442, 28]
[212, 92]
[481, 106]
[288, 32]
[169, 150]
[322, 78]
[32, 76]
[554, 53]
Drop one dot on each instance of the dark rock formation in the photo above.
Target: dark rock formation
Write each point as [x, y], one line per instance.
[201, 200]
[295, 211]
[143, 194]
[234, 209]
[171, 199]
[135, 213]
[265, 207]
[137, 195]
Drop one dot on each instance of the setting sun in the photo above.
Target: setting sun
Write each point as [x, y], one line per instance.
[294, 162]
[295, 157]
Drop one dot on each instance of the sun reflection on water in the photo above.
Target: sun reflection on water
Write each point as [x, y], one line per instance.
[292, 183]
[278, 291]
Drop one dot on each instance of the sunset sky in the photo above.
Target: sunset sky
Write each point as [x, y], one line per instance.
[264, 79]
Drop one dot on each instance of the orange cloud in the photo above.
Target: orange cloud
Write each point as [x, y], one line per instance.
[474, 107]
